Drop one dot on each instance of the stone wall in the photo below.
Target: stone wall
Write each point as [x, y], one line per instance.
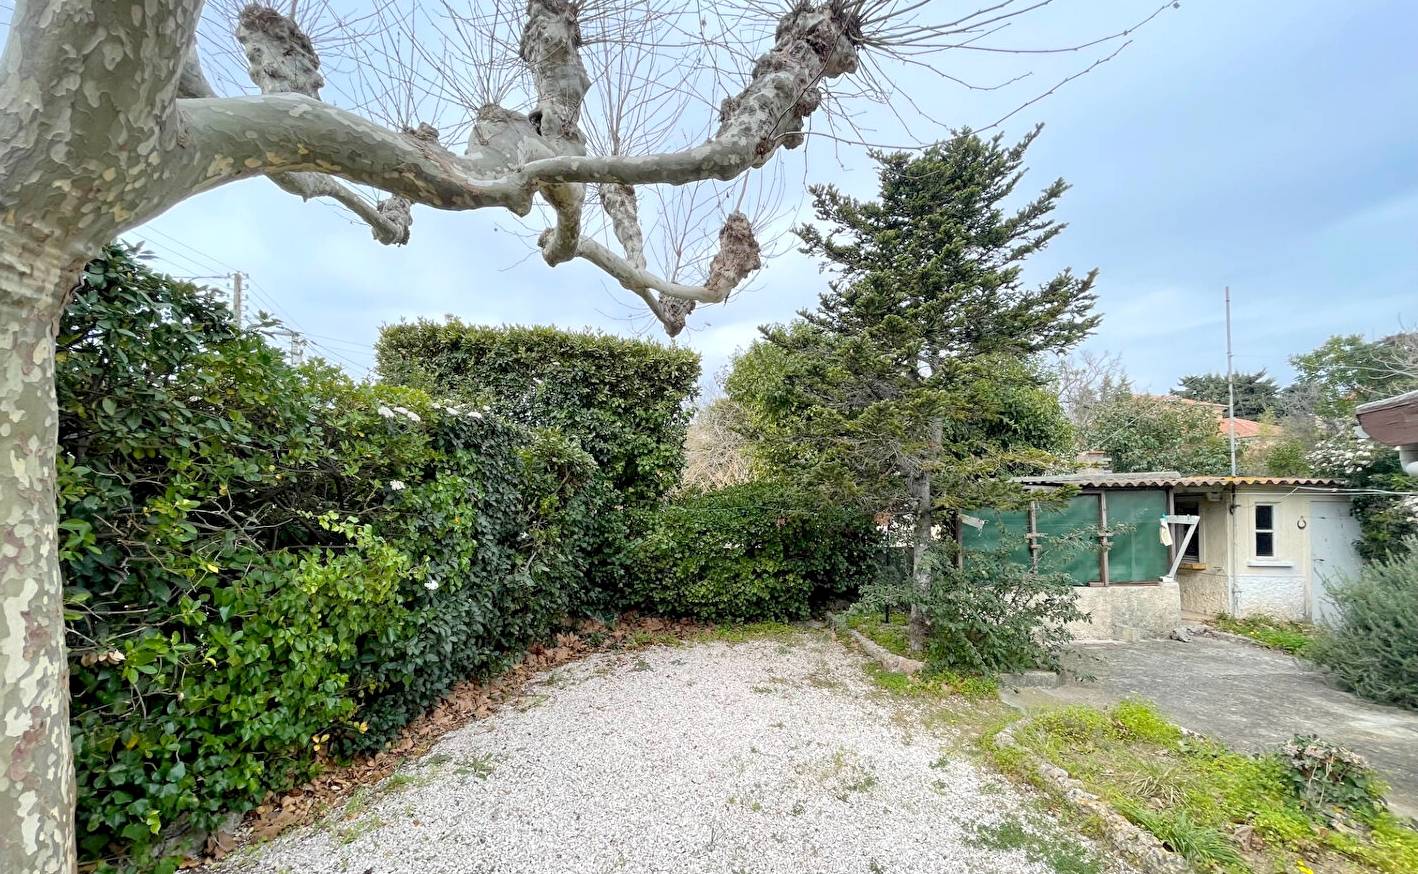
[1128, 612]
[1204, 592]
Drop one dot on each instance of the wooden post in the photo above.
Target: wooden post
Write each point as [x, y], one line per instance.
[1105, 543]
[1033, 536]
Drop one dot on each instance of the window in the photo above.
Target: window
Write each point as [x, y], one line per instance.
[1265, 530]
[1189, 507]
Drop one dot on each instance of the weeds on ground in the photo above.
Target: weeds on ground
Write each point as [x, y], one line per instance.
[479, 766]
[1039, 843]
[741, 632]
[935, 684]
[1221, 810]
[891, 635]
[1296, 638]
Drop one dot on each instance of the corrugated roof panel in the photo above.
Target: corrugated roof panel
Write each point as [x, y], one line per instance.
[1171, 479]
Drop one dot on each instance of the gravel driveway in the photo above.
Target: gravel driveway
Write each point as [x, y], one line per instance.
[773, 755]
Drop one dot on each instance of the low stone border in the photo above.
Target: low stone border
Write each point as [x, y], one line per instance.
[1038, 679]
[1213, 631]
[1138, 844]
[888, 659]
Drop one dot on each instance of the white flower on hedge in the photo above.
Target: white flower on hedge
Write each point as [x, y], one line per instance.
[475, 414]
[431, 584]
[397, 485]
[386, 412]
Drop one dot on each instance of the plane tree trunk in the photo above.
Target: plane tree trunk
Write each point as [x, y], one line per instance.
[37, 780]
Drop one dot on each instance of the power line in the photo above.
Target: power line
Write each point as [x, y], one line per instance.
[299, 339]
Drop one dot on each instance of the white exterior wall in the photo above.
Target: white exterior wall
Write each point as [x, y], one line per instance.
[1277, 586]
[1282, 585]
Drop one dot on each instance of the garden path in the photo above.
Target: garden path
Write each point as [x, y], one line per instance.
[769, 755]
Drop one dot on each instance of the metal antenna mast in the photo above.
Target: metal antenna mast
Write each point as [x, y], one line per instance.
[1230, 384]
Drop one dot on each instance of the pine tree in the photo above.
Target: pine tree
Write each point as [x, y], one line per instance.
[1256, 393]
[913, 386]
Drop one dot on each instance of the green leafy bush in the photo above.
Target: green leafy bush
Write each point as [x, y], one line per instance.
[991, 616]
[1326, 777]
[624, 401]
[1373, 651]
[266, 565]
[751, 552]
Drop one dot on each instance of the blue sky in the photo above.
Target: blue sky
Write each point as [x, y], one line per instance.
[1271, 147]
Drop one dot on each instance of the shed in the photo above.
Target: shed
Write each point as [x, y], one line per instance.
[1259, 545]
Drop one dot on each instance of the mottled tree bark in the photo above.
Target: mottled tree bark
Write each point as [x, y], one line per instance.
[36, 769]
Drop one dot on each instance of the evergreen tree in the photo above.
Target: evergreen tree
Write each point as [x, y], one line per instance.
[1256, 393]
[913, 386]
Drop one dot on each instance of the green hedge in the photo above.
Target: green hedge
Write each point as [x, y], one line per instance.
[267, 564]
[758, 551]
[626, 402]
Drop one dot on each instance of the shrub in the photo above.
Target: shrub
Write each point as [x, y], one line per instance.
[750, 552]
[266, 565]
[624, 401]
[1326, 777]
[1373, 651]
[991, 616]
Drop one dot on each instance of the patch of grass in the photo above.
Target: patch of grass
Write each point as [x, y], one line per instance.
[1221, 810]
[1296, 638]
[975, 687]
[1139, 720]
[357, 803]
[398, 781]
[1202, 845]
[352, 832]
[742, 632]
[892, 636]
[1059, 852]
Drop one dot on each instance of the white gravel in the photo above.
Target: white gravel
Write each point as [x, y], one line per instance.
[766, 756]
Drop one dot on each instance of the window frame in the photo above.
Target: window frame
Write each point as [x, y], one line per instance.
[1195, 504]
[1257, 530]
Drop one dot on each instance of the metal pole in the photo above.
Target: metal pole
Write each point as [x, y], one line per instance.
[1230, 384]
[236, 297]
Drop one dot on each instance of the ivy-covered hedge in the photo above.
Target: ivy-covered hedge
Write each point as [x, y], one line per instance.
[758, 551]
[266, 565]
[626, 402]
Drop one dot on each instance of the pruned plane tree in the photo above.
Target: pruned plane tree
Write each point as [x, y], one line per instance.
[570, 115]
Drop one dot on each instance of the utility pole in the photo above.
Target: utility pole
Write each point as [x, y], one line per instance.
[1230, 384]
[237, 298]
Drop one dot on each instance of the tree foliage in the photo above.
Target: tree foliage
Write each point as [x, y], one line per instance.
[1146, 433]
[1347, 370]
[1256, 393]
[913, 386]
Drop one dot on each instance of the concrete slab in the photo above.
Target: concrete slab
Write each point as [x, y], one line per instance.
[1251, 698]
